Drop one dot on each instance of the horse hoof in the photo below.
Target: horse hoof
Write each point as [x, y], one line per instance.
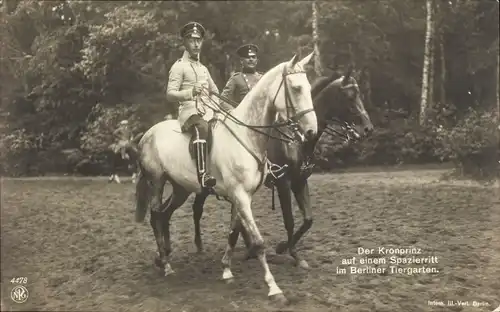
[168, 270]
[303, 264]
[229, 280]
[279, 299]
[200, 251]
[281, 248]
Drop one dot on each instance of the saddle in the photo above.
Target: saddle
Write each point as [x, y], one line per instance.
[211, 125]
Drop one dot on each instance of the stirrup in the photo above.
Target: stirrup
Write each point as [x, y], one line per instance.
[207, 181]
[275, 173]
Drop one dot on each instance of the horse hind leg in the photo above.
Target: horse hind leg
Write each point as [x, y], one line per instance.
[177, 198]
[301, 192]
[156, 221]
[285, 198]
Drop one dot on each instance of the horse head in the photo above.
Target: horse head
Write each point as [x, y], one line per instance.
[292, 100]
[341, 99]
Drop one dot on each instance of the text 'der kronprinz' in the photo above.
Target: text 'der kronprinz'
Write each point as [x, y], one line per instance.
[389, 260]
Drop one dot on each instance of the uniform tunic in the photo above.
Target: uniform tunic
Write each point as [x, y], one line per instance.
[239, 85]
[182, 77]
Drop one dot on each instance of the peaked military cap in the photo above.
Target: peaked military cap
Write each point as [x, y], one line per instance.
[192, 30]
[247, 50]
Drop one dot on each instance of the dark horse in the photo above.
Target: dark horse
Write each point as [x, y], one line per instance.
[334, 99]
[128, 165]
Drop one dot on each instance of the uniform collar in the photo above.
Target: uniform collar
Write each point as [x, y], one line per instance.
[187, 57]
[248, 71]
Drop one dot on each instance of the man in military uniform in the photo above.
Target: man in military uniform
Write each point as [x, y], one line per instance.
[242, 82]
[123, 136]
[186, 81]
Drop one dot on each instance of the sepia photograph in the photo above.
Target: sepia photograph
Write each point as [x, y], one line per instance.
[250, 156]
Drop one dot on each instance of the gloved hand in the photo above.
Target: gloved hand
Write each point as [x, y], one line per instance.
[197, 88]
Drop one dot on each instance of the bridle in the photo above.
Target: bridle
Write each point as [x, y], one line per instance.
[291, 122]
[291, 112]
[348, 131]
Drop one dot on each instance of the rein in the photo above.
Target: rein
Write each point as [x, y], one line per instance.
[291, 121]
[276, 126]
[349, 133]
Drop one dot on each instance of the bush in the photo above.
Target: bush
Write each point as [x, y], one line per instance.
[472, 145]
[17, 150]
[400, 142]
[98, 135]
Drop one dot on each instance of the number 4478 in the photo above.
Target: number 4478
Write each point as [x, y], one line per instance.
[19, 280]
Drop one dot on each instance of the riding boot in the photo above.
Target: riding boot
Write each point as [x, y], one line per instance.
[205, 179]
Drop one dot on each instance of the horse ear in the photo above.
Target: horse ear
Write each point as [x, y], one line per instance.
[307, 59]
[293, 61]
[347, 76]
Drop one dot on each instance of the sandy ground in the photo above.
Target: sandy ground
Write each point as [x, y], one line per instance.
[75, 241]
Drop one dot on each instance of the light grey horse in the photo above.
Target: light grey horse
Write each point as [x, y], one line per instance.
[237, 159]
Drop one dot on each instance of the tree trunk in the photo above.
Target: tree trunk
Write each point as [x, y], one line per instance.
[318, 70]
[442, 81]
[498, 91]
[366, 81]
[430, 98]
[425, 72]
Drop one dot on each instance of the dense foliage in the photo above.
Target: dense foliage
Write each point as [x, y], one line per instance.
[70, 70]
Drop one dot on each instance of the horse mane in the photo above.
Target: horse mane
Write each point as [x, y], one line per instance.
[319, 84]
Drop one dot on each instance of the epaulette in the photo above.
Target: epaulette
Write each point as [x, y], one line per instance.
[235, 74]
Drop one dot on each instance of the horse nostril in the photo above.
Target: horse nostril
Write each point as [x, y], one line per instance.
[368, 130]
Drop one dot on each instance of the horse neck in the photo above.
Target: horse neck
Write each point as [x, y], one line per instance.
[256, 109]
[325, 101]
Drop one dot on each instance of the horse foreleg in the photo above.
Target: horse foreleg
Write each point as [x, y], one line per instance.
[300, 190]
[246, 238]
[177, 199]
[285, 197]
[198, 203]
[243, 203]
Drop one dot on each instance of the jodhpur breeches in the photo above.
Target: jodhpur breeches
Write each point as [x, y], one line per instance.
[196, 121]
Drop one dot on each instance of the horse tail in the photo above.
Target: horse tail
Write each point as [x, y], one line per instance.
[142, 196]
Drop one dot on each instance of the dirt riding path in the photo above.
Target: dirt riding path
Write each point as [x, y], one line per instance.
[76, 242]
